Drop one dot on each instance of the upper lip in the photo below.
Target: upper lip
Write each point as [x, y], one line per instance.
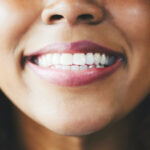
[79, 46]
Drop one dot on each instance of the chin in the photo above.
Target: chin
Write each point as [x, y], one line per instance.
[73, 118]
[77, 127]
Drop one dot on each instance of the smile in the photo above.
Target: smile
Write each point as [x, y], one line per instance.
[74, 64]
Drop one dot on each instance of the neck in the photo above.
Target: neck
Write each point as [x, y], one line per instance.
[113, 137]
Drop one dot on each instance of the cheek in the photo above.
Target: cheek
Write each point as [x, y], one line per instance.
[14, 22]
[133, 19]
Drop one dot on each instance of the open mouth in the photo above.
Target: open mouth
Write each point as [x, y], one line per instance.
[74, 64]
[75, 61]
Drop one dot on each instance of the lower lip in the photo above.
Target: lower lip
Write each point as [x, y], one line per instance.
[73, 78]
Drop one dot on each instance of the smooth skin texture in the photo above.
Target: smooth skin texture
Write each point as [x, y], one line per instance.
[99, 107]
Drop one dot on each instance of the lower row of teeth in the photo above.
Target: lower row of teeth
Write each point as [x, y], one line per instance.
[75, 67]
[77, 61]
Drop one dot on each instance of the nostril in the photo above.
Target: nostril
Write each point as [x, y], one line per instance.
[55, 18]
[85, 17]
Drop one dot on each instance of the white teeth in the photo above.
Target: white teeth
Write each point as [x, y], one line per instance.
[99, 66]
[107, 59]
[79, 59]
[97, 58]
[58, 66]
[85, 67]
[75, 68]
[49, 59]
[66, 59]
[66, 67]
[91, 66]
[89, 59]
[76, 61]
[56, 59]
[42, 61]
[104, 59]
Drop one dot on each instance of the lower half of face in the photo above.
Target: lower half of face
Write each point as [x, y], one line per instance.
[90, 89]
[78, 110]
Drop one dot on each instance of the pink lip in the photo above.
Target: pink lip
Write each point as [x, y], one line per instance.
[73, 78]
[80, 46]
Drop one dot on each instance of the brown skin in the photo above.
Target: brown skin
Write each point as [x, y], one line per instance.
[122, 26]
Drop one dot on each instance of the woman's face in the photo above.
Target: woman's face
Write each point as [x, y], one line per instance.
[61, 101]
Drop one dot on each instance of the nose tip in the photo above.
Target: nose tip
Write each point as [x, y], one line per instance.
[73, 13]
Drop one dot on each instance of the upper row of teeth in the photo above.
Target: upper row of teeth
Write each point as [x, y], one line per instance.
[75, 59]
